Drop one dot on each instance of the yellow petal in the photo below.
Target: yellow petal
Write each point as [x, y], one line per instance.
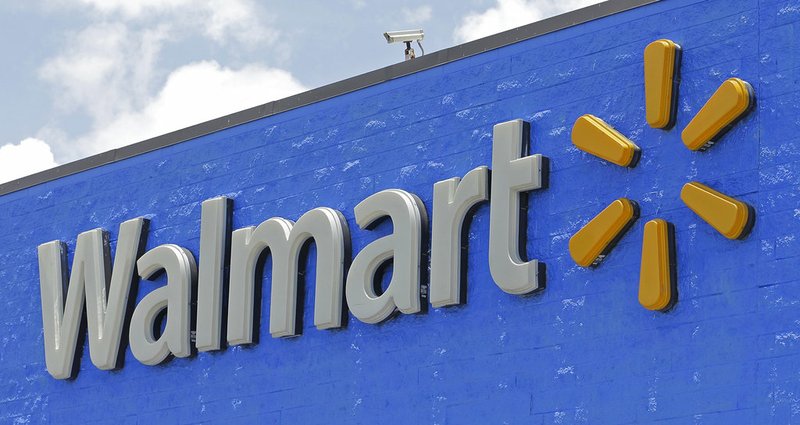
[729, 216]
[590, 244]
[655, 277]
[661, 59]
[731, 100]
[592, 135]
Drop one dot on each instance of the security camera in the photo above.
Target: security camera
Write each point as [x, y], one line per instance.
[403, 36]
[406, 36]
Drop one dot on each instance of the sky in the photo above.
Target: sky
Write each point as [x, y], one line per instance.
[83, 77]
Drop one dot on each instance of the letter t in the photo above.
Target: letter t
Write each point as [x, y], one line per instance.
[512, 173]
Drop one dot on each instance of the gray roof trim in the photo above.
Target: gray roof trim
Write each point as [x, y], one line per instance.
[348, 85]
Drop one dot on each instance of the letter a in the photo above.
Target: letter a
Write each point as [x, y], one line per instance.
[408, 217]
[178, 263]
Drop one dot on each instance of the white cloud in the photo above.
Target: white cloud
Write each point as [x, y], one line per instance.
[192, 94]
[358, 4]
[218, 19]
[106, 69]
[27, 157]
[111, 76]
[134, 8]
[112, 72]
[417, 15]
[507, 14]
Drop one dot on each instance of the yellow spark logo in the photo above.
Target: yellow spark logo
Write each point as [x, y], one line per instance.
[729, 216]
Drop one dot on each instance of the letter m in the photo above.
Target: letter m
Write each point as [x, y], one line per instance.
[91, 281]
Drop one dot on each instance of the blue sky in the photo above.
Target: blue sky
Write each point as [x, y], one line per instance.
[85, 76]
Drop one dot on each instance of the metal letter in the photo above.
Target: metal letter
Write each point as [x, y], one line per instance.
[91, 279]
[408, 216]
[452, 199]
[512, 172]
[328, 228]
[214, 231]
[181, 270]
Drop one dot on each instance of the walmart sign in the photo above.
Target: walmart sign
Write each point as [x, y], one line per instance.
[231, 258]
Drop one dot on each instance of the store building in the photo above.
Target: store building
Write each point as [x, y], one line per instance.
[644, 153]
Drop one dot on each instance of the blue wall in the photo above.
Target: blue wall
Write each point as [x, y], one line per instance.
[582, 351]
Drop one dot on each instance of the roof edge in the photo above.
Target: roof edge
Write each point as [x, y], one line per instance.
[434, 59]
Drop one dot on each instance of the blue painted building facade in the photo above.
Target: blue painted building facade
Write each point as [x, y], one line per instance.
[581, 351]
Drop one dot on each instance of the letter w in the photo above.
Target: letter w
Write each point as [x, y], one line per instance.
[92, 280]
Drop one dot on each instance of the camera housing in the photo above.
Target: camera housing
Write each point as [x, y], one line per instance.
[404, 36]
